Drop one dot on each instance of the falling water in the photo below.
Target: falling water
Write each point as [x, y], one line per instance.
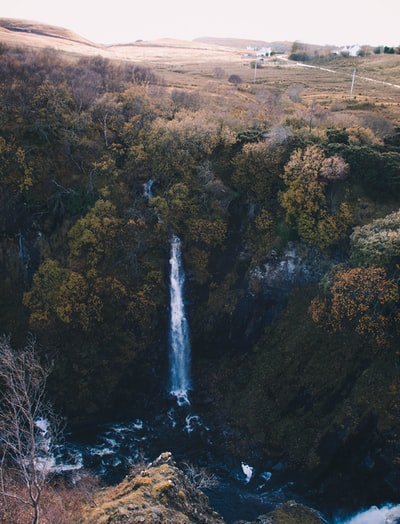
[147, 189]
[179, 329]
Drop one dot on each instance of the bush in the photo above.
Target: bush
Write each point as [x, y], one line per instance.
[235, 79]
[377, 243]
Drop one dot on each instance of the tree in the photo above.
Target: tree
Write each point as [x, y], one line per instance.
[311, 200]
[15, 170]
[43, 298]
[257, 168]
[377, 243]
[362, 298]
[91, 239]
[28, 426]
[235, 80]
[177, 146]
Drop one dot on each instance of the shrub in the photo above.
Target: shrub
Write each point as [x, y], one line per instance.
[377, 243]
[235, 79]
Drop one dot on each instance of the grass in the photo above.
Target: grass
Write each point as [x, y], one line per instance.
[192, 65]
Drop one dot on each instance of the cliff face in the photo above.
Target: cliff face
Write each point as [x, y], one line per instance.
[321, 403]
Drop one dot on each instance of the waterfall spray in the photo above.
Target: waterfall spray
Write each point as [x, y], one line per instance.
[179, 329]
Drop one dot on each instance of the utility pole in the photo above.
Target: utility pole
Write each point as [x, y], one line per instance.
[352, 82]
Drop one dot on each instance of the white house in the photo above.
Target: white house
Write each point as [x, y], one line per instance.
[351, 50]
[264, 51]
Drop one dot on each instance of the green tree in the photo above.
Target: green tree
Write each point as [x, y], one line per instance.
[256, 170]
[211, 233]
[310, 200]
[16, 173]
[43, 298]
[77, 302]
[176, 207]
[51, 110]
[377, 243]
[178, 146]
[91, 239]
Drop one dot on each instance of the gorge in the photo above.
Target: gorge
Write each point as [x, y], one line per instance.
[238, 491]
[210, 266]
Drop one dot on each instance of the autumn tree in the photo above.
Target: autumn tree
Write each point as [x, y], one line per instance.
[310, 199]
[28, 426]
[178, 146]
[362, 298]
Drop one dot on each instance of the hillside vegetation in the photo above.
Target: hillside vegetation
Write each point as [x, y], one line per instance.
[102, 159]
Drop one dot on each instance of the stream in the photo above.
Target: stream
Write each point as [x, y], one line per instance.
[242, 490]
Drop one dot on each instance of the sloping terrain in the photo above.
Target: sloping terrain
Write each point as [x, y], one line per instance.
[38, 35]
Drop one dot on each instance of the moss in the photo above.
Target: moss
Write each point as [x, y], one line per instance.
[162, 489]
[158, 493]
[292, 513]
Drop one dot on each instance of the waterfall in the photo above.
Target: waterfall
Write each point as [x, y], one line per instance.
[179, 329]
[147, 189]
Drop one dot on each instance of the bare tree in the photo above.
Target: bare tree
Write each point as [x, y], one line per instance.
[28, 427]
[201, 478]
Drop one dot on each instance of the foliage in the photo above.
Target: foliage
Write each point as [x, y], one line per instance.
[310, 200]
[235, 79]
[175, 146]
[377, 243]
[15, 171]
[42, 300]
[92, 236]
[364, 298]
[209, 232]
[375, 171]
[256, 170]
[78, 140]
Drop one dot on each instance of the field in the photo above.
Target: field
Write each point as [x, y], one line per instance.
[205, 66]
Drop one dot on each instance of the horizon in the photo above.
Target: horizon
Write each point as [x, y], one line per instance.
[345, 24]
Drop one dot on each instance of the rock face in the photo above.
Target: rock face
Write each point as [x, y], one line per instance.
[290, 513]
[157, 493]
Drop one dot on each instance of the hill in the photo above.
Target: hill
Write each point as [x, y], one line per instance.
[34, 34]
[36, 28]
[241, 43]
[28, 33]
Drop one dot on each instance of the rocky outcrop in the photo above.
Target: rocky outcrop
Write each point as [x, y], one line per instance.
[289, 513]
[157, 493]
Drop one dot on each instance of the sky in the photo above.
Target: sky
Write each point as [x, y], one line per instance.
[339, 22]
